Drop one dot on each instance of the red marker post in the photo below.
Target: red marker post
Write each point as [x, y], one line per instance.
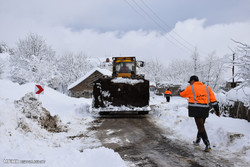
[39, 89]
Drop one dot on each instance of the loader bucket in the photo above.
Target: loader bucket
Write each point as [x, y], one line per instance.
[110, 95]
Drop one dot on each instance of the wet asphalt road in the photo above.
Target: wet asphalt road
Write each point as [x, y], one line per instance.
[139, 141]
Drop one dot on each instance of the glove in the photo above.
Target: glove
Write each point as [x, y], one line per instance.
[179, 91]
[217, 113]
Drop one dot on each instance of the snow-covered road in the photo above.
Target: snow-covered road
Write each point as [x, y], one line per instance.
[139, 141]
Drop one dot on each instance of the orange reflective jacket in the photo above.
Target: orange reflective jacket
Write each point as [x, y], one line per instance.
[167, 92]
[198, 93]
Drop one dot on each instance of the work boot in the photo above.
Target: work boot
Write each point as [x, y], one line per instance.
[198, 139]
[206, 142]
[207, 148]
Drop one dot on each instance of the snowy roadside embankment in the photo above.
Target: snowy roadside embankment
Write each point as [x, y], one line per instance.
[241, 94]
[229, 137]
[236, 102]
[50, 130]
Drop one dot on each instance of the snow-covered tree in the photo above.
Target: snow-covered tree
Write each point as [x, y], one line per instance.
[33, 61]
[196, 63]
[243, 62]
[1, 66]
[154, 71]
[3, 47]
[212, 71]
[209, 71]
[178, 71]
[198, 67]
[71, 67]
[107, 64]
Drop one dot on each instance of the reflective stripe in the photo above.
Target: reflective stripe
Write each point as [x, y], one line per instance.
[198, 105]
[195, 101]
[207, 95]
[214, 103]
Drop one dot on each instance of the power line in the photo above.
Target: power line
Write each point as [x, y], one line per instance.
[147, 19]
[134, 8]
[154, 13]
[162, 29]
[163, 22]
[159, 23]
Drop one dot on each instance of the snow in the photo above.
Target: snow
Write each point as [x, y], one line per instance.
[24, 142]
[127, 81]
[239, 94]
[4, 64]
[120, 109]
[5, 56]
[105, 72]
[23, 138]
[52, 100]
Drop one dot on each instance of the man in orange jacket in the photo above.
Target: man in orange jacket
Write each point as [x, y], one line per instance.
[168, 93]
[200, 98]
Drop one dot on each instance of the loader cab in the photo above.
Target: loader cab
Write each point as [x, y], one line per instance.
[124, 67]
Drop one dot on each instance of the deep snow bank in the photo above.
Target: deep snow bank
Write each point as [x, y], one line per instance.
[28, 123]
[55, 102]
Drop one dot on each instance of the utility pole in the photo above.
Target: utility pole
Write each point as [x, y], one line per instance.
[233, 85]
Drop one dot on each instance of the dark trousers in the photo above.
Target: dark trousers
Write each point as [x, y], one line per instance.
[168, 98]
[200, 124]
[201, 130]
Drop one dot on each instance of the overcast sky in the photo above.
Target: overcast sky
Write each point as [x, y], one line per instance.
[162, 29]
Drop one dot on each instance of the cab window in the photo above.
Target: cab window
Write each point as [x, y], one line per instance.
[124, 67]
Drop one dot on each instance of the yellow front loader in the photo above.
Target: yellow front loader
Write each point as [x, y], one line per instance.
[124, 92]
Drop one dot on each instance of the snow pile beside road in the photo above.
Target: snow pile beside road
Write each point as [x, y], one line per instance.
[28, 124]
[127, 81]
[31, 108]
[55, 102]
[229, 137]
